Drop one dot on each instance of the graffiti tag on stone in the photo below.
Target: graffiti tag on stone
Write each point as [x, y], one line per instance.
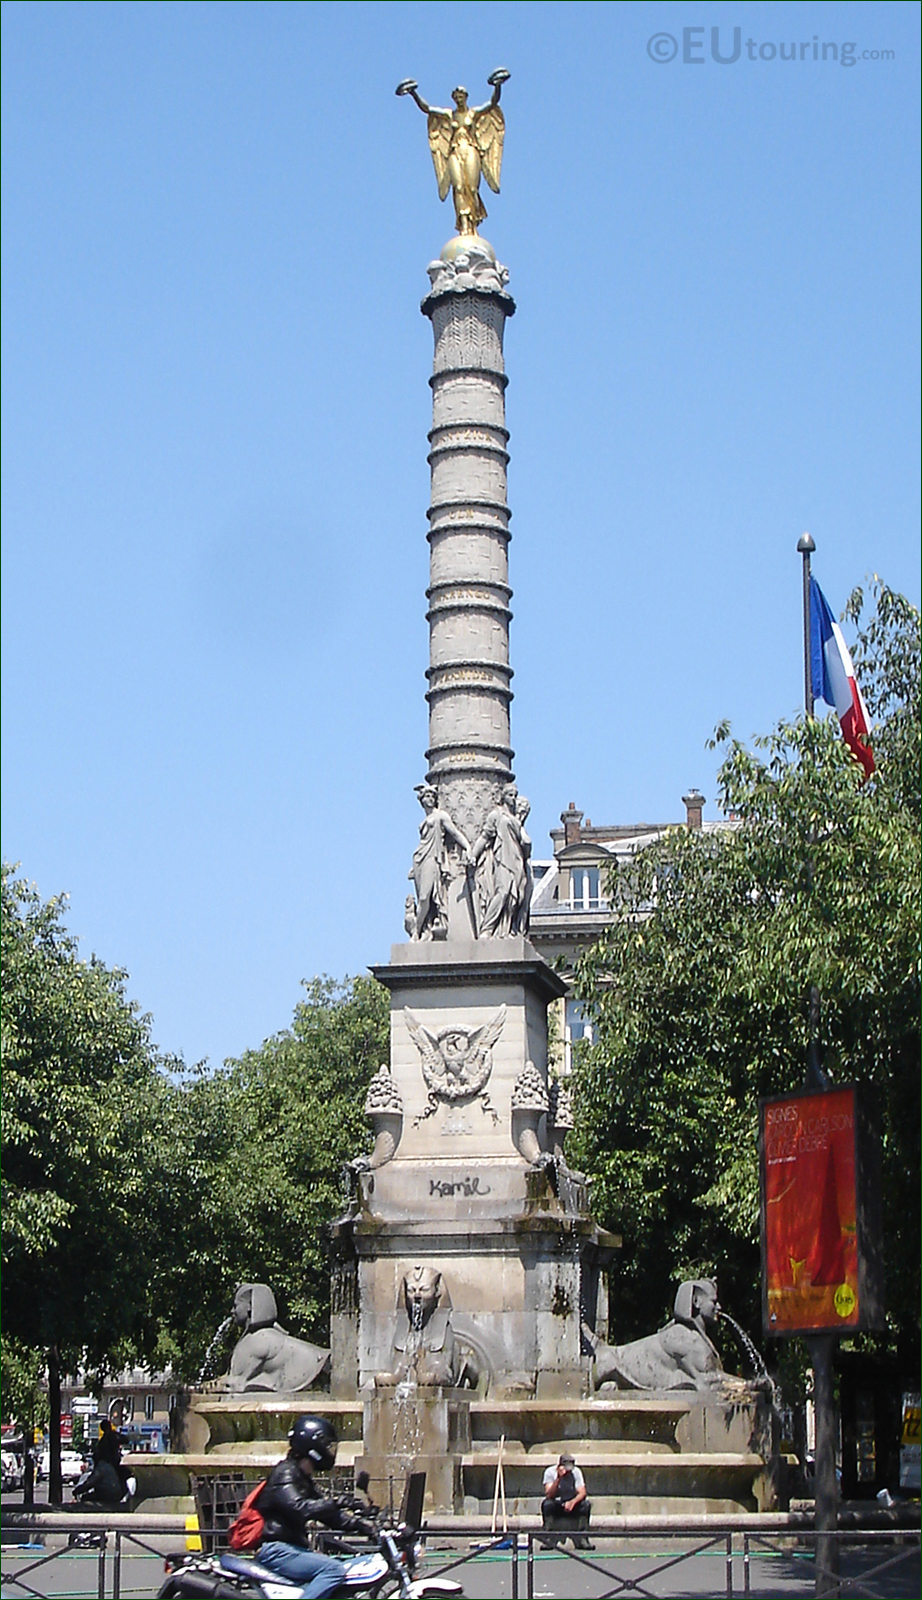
[466, 1186]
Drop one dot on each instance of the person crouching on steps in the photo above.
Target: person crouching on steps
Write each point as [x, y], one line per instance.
[565, 1508]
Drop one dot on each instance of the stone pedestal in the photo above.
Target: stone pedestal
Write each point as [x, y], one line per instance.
[409, 1427]
[472, 1188]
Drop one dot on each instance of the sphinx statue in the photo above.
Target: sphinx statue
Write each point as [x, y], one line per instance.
[425, 1347]
[678, 1356]
[266, 1358]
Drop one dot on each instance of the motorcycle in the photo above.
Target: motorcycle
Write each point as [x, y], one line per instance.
[110, 1489]
[388, 1569]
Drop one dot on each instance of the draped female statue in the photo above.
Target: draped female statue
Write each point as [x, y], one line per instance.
[433, 867]
[503, 848]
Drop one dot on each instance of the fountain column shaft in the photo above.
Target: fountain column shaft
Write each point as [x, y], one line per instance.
[469, 756]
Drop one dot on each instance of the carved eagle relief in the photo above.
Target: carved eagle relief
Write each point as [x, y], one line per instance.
[456, 1061]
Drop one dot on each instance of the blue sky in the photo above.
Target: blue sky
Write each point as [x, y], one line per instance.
[217, 223]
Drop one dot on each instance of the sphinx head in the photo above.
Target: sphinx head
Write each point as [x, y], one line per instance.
[697, 1300]
[421, 1290]
[254, 1306]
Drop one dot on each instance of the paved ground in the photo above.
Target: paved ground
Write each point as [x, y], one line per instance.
[658, 1569]
[663, 1570]
[556, 1576]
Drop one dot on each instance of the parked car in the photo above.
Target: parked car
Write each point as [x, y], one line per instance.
[12, 1470]
[72, 1464]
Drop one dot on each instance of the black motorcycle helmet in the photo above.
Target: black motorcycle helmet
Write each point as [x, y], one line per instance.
[314, 1439]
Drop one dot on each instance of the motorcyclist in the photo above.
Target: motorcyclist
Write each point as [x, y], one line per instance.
[291, 1500]
[107, 1482]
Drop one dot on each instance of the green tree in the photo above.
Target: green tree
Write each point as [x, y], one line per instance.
[699, 991]
[78, 1072]
[136, 1195]
[21, 1372]
[252, 1160]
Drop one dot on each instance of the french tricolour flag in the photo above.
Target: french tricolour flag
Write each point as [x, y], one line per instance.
[834, 677]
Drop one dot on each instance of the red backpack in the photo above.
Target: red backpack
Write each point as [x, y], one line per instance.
[248, 1527]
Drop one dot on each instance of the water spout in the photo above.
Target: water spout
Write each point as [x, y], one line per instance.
[212, 1349]
[755, 1356]
[414, 1346]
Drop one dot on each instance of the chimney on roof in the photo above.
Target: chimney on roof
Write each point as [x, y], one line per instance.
[572, 824]
[694, 804]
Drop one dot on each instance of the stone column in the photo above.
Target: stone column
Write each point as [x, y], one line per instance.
[469, 755]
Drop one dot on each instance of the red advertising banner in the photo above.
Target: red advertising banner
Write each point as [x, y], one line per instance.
[810, 1213]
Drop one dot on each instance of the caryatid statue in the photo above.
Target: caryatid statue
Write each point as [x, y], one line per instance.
[441, 853]
[465, 142]
[501, 853]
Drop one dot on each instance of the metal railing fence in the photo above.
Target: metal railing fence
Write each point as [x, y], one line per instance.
[739, 1556]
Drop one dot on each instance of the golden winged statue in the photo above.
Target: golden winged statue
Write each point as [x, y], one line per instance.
[465, 142]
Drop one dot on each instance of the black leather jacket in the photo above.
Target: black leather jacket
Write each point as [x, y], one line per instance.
[290, 1500]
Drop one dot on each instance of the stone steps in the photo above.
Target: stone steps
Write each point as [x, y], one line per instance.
[580, 1425]
[620, 1482]
[586, 1449]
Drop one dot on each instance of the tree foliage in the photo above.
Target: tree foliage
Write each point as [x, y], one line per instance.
[699, 987]
[78, 1069]
[136, 1195]
[253, 1159]
[21, 1372]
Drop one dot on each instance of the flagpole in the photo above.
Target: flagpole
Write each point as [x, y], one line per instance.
[806, 547]
[816, 1077]
[820, 1346]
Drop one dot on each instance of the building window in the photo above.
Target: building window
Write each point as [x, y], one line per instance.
[148, 1408]
[576, 1026]
[584, 889]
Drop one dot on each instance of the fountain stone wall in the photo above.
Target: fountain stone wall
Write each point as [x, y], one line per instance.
[420, 1429]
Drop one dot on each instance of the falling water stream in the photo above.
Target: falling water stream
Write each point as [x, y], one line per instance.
[212, 1349]
[406, 1438]
[761, 1371]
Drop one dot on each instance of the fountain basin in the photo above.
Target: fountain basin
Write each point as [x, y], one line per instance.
[643, 1453]
[211, 1419]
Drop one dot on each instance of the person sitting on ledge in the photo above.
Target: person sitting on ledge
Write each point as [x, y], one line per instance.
[565, 1508]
